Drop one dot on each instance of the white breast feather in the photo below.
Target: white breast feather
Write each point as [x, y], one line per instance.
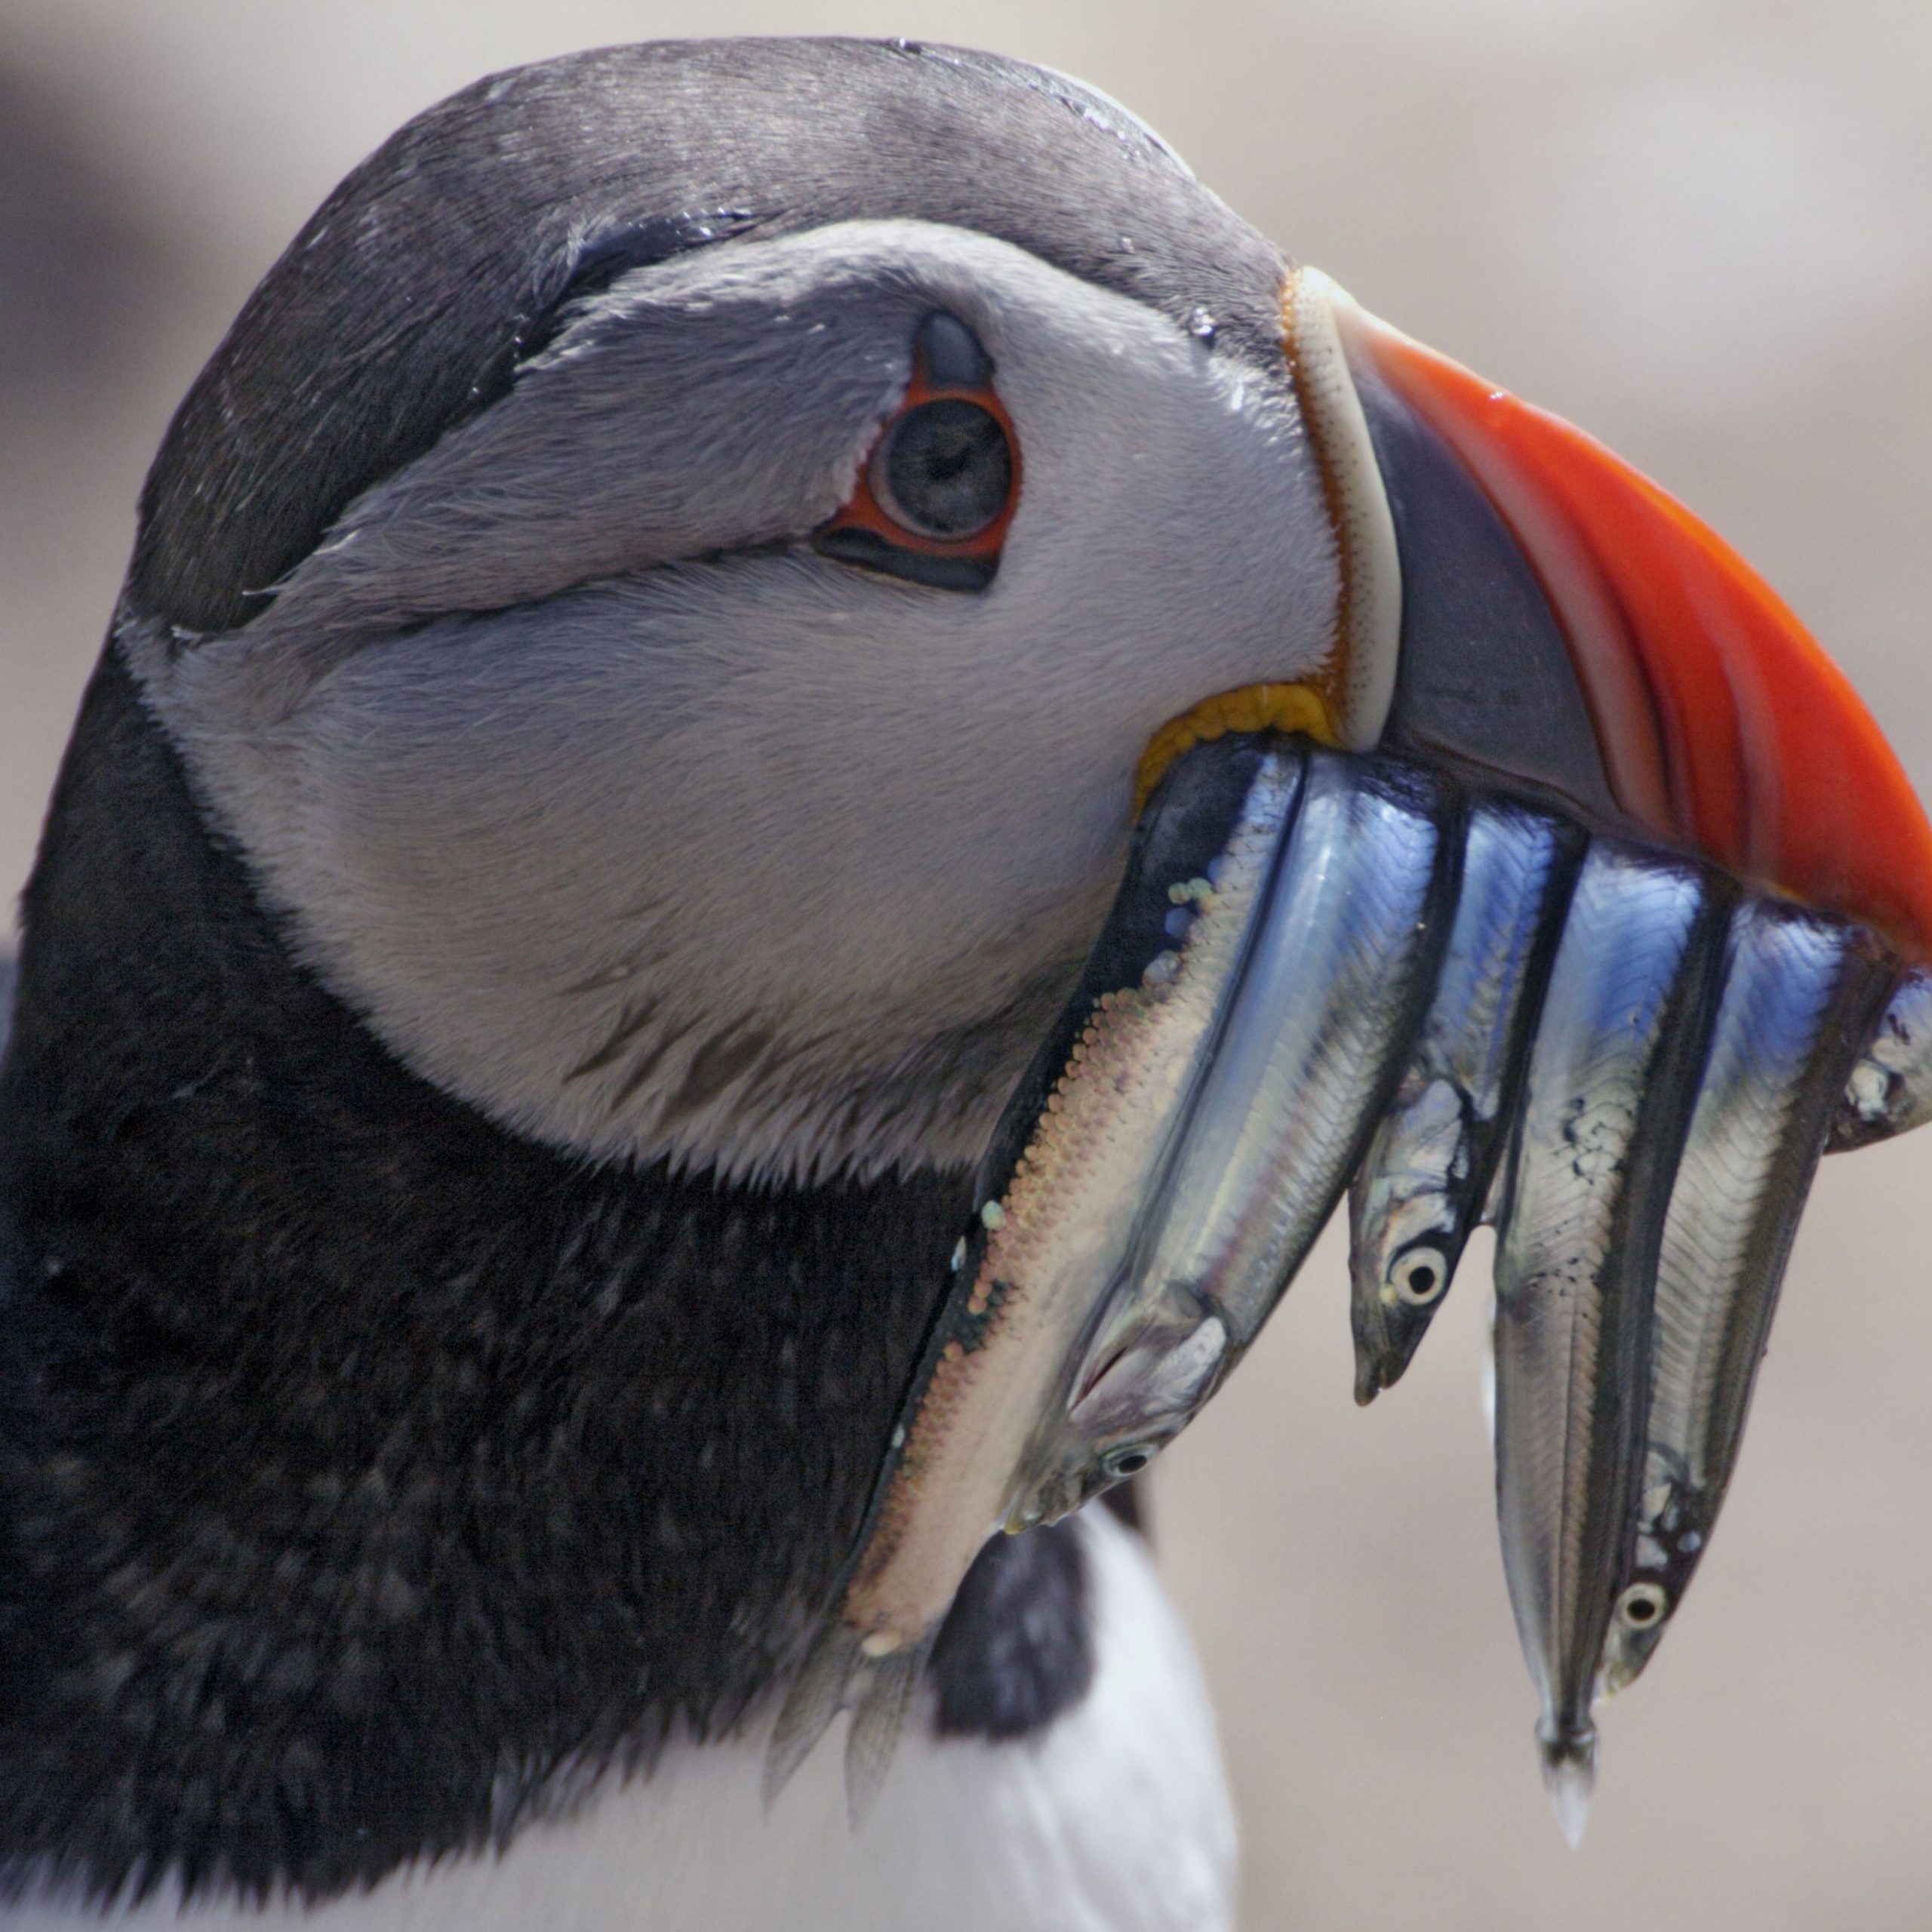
[1116, 1820]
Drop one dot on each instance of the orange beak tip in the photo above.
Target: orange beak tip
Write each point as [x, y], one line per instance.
[1713, 721]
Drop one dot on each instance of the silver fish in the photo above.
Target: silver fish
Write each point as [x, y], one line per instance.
[1149, 1369]
[1323, 1016]
[1423, 1184]
[1889, 1090]
[1320, 1026]
[1606, 1103]
[1800, 994]
[1083, 1143]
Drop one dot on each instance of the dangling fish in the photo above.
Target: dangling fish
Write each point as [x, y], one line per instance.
[1318, 1026]
[1889, 1090]
[1612, 1079]
[1422, 1185]
[1801, 993]
[1083, 1145]
[1190, 1126]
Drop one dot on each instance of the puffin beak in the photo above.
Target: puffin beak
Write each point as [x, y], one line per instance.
[1565, 621]
[1617, 1009]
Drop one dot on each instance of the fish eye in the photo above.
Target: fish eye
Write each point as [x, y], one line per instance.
[1644, 1606]
[1419, 1276]
[944, 470]
[1129, 1461]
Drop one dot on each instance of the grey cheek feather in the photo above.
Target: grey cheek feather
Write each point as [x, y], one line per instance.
[598, 866]
[760, 862]
[625, 444]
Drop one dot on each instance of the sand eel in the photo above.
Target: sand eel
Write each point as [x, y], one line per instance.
[643, 650]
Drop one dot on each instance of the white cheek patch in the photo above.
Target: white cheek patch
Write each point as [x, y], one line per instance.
[768, 864]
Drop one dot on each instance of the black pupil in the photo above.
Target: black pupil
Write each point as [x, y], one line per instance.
[1421, 1280]
[946, 470]
[1132, 1462]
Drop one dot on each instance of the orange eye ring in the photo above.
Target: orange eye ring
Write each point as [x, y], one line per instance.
[948, 366]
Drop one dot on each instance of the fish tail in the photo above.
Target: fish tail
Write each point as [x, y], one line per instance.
[839, 1676]
[1568, 1753]
[878, 1718]
[821, 1689]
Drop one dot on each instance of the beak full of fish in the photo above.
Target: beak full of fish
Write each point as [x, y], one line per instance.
[1328, 974]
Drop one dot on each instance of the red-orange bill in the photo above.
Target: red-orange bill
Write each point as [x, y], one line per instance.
[1720, 725]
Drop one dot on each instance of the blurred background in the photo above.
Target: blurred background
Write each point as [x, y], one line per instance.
[1701, 228]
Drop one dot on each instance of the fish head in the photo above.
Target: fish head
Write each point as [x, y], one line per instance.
[1151, 1366]
[1636, 1627]
[1404, 1233]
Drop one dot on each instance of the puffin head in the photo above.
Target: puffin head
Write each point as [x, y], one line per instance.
[645, 649]
[678, 581]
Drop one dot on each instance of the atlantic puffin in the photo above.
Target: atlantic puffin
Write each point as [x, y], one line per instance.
[621, 727]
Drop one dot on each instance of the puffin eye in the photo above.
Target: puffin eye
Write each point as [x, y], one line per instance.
[938, 491]
[944, 469]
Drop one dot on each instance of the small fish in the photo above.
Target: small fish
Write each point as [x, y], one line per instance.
[1800, 994]
[1324, 1017]
[1890, 1091]
[1423, 1184]
[1606, 1105]
[1081, 1146]
[1325, 1011]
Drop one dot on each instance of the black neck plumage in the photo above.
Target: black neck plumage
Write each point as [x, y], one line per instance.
[364, 1465]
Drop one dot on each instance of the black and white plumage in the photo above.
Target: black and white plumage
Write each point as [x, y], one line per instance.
[522, 956]
[561, 867]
